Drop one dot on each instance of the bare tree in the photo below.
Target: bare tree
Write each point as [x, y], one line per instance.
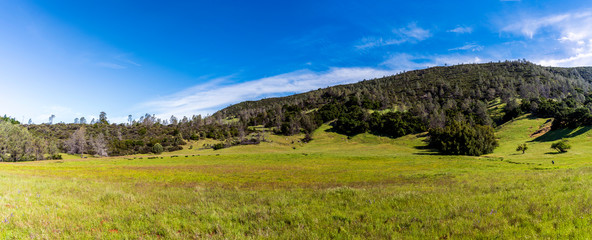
[76, 144]
[100, 145]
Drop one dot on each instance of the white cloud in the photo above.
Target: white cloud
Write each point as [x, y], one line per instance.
[216, 94]
[570, 34]
[461, 30]
[583, 59]
[412, 34]
[471, 46]
[207, 98]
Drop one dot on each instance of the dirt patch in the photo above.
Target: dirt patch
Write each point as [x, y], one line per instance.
[546, 127]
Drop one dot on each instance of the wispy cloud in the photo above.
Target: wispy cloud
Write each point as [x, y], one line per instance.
[569, 33]
[121, 61]
[461, 30]
[124, 59]
[111, 65]
[411, 33]
[528, 27]
[209, 97]
[468, 47]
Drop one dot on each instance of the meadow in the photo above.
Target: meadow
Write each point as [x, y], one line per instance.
[364, 187]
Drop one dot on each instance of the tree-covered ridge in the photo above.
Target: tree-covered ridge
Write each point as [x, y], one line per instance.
[437, 95]
[452, 103]
[510, 79]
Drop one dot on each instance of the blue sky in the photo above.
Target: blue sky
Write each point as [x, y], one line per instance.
[78, 58]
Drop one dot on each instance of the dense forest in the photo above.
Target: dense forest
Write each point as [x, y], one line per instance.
[448, 102]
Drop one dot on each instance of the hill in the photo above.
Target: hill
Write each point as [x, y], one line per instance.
[486, 94]
[432, 88]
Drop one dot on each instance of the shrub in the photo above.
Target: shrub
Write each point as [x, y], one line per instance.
[218, 146]
[157, 148]
[307, 138]
[561, 146]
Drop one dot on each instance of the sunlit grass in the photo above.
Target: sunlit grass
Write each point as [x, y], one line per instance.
[333, 187]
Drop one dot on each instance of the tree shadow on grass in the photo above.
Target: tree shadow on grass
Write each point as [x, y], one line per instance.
[555, 153]
[561, 133]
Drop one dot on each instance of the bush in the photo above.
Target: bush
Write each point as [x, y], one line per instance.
[461, 138]
[157, 148]
[561, 146]
[218, 146]
[522, 147]
[307, 138]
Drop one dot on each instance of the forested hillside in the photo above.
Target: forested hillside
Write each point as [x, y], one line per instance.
[431, 92]
[467, 99]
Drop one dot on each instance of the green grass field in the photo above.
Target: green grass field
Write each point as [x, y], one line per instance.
[333, 187]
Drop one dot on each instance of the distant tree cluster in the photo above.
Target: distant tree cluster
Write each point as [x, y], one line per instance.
[18, 144]
[461, 138]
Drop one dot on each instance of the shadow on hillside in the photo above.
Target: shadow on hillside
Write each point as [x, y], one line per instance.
[426, 150]
[332, 130]
[560, 134]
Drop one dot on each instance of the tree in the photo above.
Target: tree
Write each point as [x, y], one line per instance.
[352, 122]
[157, 148]
[461, 138]
[53, 151]
[51, 119]
[173, 120]
[76, 144]
[16, 143]
[99, 145]
[561, 146]
[522, 147]
[103, 118]
[82, 120]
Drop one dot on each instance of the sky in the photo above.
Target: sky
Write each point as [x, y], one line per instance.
[75, 59]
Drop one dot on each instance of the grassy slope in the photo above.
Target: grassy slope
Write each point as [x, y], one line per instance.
[363, 187]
